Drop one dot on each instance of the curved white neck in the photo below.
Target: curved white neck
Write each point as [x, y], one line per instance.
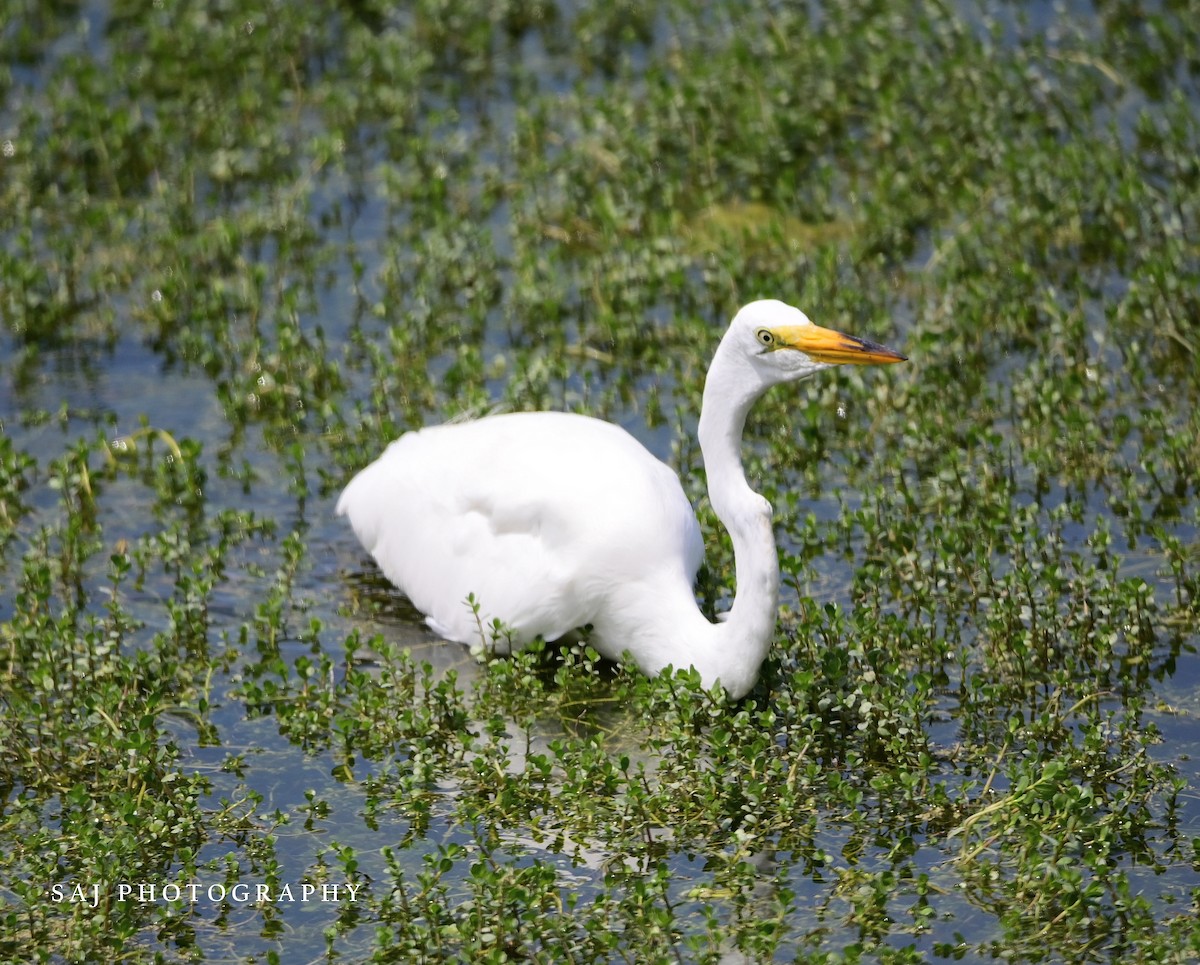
[731, 650]
[738, 644]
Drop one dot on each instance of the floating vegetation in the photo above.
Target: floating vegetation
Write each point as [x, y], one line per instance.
[244, 245]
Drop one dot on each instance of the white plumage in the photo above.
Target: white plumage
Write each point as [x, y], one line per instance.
[553, 521]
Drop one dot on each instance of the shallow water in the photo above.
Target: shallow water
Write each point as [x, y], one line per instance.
[106, 388]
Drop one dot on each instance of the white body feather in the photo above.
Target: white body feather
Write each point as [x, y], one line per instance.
[543, 544]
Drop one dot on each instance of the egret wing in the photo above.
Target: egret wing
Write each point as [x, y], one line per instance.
[535, 515]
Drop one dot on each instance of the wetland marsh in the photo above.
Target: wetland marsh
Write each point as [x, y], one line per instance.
[243, 245]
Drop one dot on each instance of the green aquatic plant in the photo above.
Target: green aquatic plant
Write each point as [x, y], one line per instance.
[242, 246]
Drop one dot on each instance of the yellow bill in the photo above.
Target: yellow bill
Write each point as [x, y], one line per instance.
[834, 348]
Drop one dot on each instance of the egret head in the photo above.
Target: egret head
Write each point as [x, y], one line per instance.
[783, 345]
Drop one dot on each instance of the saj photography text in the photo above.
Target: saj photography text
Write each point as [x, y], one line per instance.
[96, 893]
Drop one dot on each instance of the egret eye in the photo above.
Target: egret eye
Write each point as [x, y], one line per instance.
[765, 338]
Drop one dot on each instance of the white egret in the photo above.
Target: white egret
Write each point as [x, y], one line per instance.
[555, 521]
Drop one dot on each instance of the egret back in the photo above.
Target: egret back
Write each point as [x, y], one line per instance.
[548, 519]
